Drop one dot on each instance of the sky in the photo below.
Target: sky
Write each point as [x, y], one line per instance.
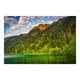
[16, 25]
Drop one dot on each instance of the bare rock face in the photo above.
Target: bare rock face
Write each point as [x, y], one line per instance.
[43, 26]
[39, 28]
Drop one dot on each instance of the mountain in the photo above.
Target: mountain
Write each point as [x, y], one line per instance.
[37, 29]
[41, 26]
[56, 38]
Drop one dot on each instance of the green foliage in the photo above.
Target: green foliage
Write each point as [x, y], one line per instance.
[45, 49]
[55, 51]
[70, 49]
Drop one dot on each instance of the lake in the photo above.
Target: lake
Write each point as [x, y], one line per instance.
[39, 59]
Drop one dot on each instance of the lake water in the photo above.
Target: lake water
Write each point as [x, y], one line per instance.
[39, 59]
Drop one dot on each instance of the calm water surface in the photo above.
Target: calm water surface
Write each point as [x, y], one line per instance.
[39, 59]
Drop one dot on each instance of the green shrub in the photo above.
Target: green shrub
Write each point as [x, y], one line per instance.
[55, 51]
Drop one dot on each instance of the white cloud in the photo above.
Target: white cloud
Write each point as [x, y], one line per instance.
[26, 23]
[10, 20]
[21, 20]
[22, 26]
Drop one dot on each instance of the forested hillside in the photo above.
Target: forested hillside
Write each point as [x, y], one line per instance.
[58, 38]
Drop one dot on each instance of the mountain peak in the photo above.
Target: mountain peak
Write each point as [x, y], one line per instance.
[42, 27]
[38, 28]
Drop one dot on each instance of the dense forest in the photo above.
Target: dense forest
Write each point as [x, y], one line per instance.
[58, 38]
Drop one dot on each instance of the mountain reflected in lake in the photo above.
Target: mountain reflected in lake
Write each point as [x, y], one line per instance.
[37, 59]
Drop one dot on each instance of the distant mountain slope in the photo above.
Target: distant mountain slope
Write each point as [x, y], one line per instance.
[45, 39]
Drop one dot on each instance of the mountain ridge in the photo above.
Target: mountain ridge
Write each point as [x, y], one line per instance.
[44, 38]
